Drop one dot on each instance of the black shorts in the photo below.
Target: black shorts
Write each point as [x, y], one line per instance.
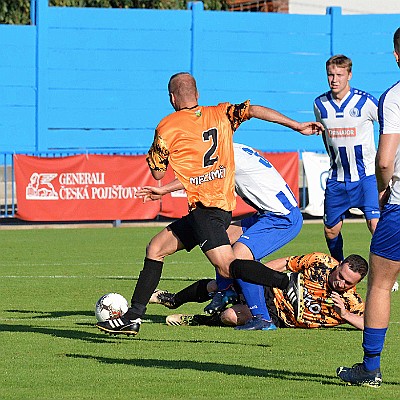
[273, 312]
[203, 226]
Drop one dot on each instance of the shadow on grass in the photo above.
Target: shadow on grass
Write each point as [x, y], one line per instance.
[60, 333]
[35, 314]
[100, 337]
[229, 369]
[347, 328]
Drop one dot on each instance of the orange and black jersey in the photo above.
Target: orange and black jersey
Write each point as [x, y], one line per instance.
[318, 313]
[198, 143]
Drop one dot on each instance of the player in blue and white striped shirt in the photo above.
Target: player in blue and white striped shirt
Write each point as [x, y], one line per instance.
[348, 116]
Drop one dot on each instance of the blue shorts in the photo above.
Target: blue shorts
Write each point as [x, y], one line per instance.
[386, 239]
[341, 196]
[264, 233]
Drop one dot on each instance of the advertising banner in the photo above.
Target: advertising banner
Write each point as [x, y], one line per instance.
[82, 188]
[103, 187]
[316, 168]
[287, 164]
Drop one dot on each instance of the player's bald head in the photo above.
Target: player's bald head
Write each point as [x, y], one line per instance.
[182, 85]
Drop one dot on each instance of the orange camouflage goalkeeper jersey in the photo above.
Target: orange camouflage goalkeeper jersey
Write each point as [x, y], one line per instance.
[318, 312]
[198, 143]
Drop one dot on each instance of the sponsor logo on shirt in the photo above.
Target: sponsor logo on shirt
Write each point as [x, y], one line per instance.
[342, 132]
[209, 176]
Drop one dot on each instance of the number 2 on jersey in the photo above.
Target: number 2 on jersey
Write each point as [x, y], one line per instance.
[210, 135]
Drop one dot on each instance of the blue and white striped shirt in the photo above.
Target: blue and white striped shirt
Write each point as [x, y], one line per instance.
[349, 133]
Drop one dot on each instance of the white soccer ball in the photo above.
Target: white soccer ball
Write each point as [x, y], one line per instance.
[110, 306]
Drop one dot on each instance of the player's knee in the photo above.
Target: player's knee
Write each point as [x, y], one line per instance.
[212, 286]
[331, 233]
[223, 271]
[229, 317]
[236, 315]
[150, 250]
[153, 251]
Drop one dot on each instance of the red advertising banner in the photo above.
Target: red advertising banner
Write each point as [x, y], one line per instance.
[174, 205]
[82, 188]
[102, 188]
[287, 164]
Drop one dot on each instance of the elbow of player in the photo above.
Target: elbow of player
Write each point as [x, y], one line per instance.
[157, 175]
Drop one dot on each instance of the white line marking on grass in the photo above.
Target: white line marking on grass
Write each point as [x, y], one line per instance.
[169, 278]
[38, 318]
[28, 264]
[66, 277]
[88, 264]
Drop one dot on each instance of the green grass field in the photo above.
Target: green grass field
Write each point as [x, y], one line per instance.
[50, 280]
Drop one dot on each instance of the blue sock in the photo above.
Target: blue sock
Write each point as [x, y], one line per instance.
[254, 295]
[335, 247]
[373, 340]
[223, 283]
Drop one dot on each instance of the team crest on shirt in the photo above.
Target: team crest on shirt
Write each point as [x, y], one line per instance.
[354, 112]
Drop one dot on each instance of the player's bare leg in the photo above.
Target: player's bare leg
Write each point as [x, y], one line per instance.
[334, 240]
[382, 275]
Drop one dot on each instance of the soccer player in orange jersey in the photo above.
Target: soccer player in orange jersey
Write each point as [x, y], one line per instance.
[197, 142]
[329, 295]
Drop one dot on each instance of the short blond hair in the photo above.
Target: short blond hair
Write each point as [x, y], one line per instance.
[340, 61]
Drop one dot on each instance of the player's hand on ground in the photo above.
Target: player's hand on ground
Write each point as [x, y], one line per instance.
[310, 128]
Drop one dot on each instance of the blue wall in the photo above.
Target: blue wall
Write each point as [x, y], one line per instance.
[17, 88]
[95, 79]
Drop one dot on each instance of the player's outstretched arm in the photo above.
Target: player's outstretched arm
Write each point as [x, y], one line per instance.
[270, 115]
[279, 264]
[151, 193]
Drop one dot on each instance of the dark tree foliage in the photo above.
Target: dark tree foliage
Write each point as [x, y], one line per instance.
[17, 11]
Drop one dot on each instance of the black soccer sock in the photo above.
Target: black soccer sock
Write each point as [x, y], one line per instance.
[213, 320]
[256, 272]
[147, 282]
[196, 293]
